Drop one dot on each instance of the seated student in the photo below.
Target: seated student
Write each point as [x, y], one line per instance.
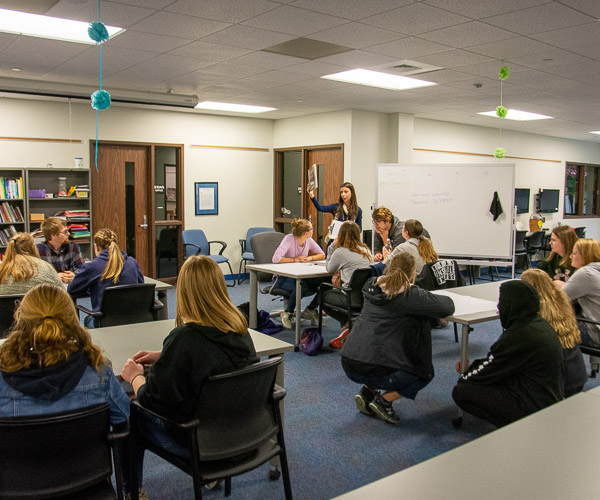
[65, 257]
[416, 244]
[22, 268]
[299, 247]
[388, 231]
[48, 363]
[389, 346]
[111, 267]
[558, 264]
[344, 256]
[211, 337]
[523, 371]
[555, 308]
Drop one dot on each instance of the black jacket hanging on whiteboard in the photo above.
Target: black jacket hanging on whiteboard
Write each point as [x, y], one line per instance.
[496, 206]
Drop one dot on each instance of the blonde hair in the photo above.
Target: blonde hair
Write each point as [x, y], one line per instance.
[555, 307]
[202, 297]
[51, 226]
[398, 275]
[106, 238]
[349, 237]
[46, 331]
[567, 237]
[19, 261]
[300, 226]
[414, 228]
[589, 250]
[382, 214]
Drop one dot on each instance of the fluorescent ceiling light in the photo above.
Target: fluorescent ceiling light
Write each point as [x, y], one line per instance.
[24, 23]
[515, 114]
[239, 108]
[595, 132]
[378, 79]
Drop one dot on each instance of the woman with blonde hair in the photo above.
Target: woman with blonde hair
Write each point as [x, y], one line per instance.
[555, 308]
[211, 337]
[22, 268]
[416, 244]
[298, 247]
[558, 264]
[389, 346]
[111, 267]
[48, 363]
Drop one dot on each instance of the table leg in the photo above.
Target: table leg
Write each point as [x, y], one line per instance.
[253, 320]
[464, 356]
[298, 312]
[164, 312]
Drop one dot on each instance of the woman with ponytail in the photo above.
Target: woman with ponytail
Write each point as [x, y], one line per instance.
[389, 346]
[416, 244]
[111, 267]
[48, 363]
[22, 268]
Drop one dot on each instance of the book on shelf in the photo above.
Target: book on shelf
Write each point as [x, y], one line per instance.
[7, 233]
[8, 213]
[11, 188]
[80, 234]
[34, 217]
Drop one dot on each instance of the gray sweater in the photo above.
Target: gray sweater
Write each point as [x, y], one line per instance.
[584, 287]
[45, 274]
[412, 247]
[346, 261]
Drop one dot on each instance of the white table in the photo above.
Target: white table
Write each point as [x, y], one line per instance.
[161, 291]
[296, 270]
[473, 263]
[551, 454]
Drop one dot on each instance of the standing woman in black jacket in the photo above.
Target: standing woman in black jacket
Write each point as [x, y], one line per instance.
[389, 346]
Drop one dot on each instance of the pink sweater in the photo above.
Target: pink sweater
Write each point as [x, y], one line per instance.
[289, 248]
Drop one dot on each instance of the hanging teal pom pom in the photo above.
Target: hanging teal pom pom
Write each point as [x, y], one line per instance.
[504, 73]
[100, 100]
[501, 111]
[97, 32]
[500, 152]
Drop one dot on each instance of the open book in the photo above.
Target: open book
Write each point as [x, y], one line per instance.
[313, 180]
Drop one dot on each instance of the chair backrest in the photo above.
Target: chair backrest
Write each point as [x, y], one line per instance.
[263, 247]
[44, 456]
[256, 230]
[127, 304]
[440, 275]
[357, 282]
[237, 411]
[534, 242]
[580, 231]
[166, 246]
[520, 242]
[8, 306]
[196, 237]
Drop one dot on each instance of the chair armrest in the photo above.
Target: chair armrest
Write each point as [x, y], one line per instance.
[120, 431]
[158, 305]
[243, 245]
[278, 393]
[192, 245]
[95, 314]
[325, 284]
[222, 243]
[135, 404]
[585, 320]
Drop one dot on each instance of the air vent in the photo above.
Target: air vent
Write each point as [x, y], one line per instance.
[407, 68]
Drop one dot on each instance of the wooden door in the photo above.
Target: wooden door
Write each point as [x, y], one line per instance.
[330, 165]
[120, 199]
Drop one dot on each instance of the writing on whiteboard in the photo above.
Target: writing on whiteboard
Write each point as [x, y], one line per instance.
[436, 198]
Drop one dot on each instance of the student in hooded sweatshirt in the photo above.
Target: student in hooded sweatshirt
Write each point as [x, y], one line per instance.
[523, 371]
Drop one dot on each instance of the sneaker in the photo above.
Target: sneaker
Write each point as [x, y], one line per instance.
[142, 495]
[338, 342]
[383, 410]
[286, 320]
[312, 315]
[362, 400]
[213, 485]
[444, 323]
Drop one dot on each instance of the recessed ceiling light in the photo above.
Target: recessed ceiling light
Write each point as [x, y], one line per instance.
[595, 132]
[16, 69]
[226, 106]
[24, 23]
[515, 114]
[378, 79]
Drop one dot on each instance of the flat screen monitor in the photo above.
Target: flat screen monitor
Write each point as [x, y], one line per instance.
[548, 200]
[522, 200]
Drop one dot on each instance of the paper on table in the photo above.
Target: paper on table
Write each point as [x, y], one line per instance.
[463, 304]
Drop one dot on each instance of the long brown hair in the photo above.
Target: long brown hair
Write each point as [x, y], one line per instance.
[19, 258]
[107, 238]
[398, 275]
[46, 331]
[555, 307]
[349, 237]
[567, 237]
[353, 208]
[414, 228]
[202, 297]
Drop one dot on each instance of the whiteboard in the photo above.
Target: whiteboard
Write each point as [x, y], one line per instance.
[453, 202]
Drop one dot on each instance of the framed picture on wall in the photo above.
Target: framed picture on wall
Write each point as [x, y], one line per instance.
[207, 198]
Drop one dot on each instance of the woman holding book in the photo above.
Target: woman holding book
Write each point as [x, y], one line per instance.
[346, 207]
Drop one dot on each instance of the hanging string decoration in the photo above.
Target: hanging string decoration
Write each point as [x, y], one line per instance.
[501, 111]
[100, 98]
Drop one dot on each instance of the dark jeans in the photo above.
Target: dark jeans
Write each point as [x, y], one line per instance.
[308, 287]
[404, 383]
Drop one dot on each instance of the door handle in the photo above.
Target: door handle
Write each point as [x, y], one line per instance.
[145, 224]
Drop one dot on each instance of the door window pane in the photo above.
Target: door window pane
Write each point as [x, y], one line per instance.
[167, 238]
[571, 189]
[165, 182]
[589, 190]
[130, 207]
[291, 178]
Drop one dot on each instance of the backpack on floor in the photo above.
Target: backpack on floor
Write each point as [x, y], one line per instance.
[311, 341]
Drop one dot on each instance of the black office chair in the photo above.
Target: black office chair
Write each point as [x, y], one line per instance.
[591, 350]
[166, 247]
[237, 428]
[353, 294]
[65, 455]
[580, 231]
[125, 305]
[8, 306]
[534, 244]
[521, 248]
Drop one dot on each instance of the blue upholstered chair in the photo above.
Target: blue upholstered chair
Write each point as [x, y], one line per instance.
[246, 246]
[195, 243]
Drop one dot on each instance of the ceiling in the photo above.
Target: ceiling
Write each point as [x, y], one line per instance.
[212, 49]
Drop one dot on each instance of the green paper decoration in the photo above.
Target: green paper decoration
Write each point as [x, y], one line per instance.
[501, 111]
[500, 152]
[504, 73]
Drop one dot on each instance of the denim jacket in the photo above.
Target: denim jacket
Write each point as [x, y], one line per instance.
[94, 387]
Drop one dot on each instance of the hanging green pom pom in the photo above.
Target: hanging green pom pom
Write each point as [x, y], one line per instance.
[504, 73]
[100, 100]
[501, 111]
[500, 152]
[97, 32]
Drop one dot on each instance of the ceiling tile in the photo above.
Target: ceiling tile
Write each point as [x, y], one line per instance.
[352, 9]
[476, 9]
[355, 35]
[279, 76]
[6, 39]
[453, 58]
[589, 7]
[467, 34]
[230, 11]
[45, 46]
[358, 59]
[111, 13]
[151, 4]
[247, 37]
[587, 73]
[514, 47]
[571, 37]
[547, 60]
[167, 23]
[489, 69]
[31, 62]
[139, 40]
[232, 69]
[315, 68]
[408, 48]
[591, 51]
[209, 51]
[197, 80]
[294, 21]
[267, 60]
